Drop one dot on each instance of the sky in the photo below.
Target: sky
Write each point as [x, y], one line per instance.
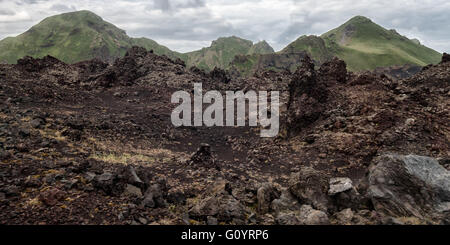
[187, 25]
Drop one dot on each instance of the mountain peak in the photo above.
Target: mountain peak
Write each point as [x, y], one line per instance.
[359, 19]
[232, 40]
[261, 47]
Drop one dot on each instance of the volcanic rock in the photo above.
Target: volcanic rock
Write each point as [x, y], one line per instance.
[310, 187]
[409, 186]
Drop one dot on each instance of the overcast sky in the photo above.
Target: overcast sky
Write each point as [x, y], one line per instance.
[186, 25]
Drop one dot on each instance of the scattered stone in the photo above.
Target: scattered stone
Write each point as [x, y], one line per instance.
[11, 190]
[287, 219]
[36, 123]
[133, 191]
[52, 196]
[133, 178]
[344, 217]
[32, 182]
[89, 176]
[176, 197]
[334, 69]
[338, 185]
[154, 197]
[310, 216]
[105, 182]
[265, 195]
[211, 221]
[142, 220]
[203, 157]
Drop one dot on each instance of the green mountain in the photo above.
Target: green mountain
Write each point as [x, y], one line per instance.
[365, 45]
[73, 37]
[362, 44]
[223, 50]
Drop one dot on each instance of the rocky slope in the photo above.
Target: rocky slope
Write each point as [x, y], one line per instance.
[92, 143]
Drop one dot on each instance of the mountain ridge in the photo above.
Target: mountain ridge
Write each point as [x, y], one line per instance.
[83, 35]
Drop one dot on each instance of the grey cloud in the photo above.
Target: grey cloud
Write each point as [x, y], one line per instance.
[62, 8]
[164, 5]
[6, 12]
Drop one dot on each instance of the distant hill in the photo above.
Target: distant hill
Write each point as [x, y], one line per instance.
[73, 37]
[361, 43]
[223, 50]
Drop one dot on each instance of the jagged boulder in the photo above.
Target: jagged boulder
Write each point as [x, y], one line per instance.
[220, 204]
[445, 58]
[203, 157]
[335, 69]
[409, 186]
[310, 186]
[306, 97]
[265, 195]
[219, 75]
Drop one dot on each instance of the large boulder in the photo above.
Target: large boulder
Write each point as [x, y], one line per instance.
[334, 69]
[310, 186]
[286, 202]
[220, 204]
[265, 195]
[106, 182]
[310, 216]
[409, 186]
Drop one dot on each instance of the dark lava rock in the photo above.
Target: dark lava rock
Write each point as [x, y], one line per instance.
[106, 182]
[310, 187]
[306, 97]
[133, 178]
[176, 198]
[219, 75]
[265, 195]
[154, 197]
[52, 196]
[11, 190]
[445, 58]
[409, 186]
[36, 123]
[334, 69]
[203, 157]
[31, 64]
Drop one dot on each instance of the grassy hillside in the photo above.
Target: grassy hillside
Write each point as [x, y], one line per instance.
[365, 45]
[73, 37]
[313, 45]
